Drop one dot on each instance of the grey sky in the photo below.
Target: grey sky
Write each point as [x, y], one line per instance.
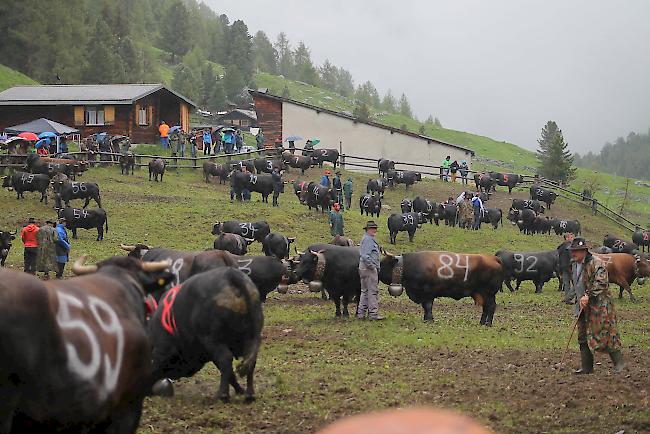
[499, 68]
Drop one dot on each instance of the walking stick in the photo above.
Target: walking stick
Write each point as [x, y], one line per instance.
[575, 324]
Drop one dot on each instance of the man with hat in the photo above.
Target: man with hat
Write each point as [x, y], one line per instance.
[62, 247]
[338, 187]
[369, 274]
[597, 330]
[28, 236]
[46, 257]
[325, 180]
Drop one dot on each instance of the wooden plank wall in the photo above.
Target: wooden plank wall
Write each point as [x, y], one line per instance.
[269, 117]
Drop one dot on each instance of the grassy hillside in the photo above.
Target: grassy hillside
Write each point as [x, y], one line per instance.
[310, 361]
[10, 78]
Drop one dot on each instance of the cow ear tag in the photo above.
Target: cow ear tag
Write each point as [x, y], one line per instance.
[161, 282]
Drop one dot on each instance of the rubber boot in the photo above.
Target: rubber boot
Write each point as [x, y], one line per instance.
[586, 360]
[617, 360]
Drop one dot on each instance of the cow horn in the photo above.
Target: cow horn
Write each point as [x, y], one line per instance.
[79, 268]
[127, 247]
[387, 253]
[154, 266]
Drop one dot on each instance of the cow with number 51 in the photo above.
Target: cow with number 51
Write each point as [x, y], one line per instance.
[429, 275]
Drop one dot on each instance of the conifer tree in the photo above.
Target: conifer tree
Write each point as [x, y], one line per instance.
[555, 161]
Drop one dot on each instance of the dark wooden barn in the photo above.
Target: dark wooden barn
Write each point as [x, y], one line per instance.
[133, 110]
[239, 117]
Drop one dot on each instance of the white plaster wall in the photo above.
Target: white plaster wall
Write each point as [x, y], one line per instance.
[364, 140]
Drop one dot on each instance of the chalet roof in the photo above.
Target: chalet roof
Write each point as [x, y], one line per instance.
[82, 94]
[264, 93]
[251, 114]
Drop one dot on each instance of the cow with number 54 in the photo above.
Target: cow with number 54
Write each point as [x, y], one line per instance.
[76, 355]
[429, 275]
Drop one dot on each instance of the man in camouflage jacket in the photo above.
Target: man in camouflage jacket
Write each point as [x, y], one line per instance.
[597, 330]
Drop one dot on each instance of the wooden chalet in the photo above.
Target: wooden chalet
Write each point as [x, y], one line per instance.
[133, 110]
[239, 117]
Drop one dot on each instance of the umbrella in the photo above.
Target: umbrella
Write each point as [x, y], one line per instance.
[43, 142]
[14, 139]
[28, 136]
[46, 134]
[174, 128]
[225, 130]
[293, 139]
[315, 141]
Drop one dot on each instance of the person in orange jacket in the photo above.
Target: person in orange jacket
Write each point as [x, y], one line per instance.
[28, 235]
[163, 129]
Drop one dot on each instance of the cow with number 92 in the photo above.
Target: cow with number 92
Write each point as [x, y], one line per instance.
[76, 355]
[429, 275]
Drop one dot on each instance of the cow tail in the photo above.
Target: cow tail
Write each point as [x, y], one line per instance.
[501, 218]
[106, 223]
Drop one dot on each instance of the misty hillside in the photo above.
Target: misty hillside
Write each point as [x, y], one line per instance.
[628, 157]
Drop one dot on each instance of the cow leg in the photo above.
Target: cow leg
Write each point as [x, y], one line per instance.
[100, 233]
[323, 295]
[124, 420]
[222, 358]
[629, 291]
[518, 285]
[337, 303]
[427, 306]
[508, 284]
[489, 307]
[538, 287]
[86, 202]
[74, 233]
[8, 403]
[411, 235]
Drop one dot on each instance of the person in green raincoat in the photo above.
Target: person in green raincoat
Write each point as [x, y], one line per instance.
[46, 255]
[336, 220]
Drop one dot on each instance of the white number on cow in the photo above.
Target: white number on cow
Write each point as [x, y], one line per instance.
[253, 179]
[324, 153]
[79, 186]
[364, 201]
[108, 321]
[269, 165]
[408, 219]
[563, 224]
[521, 260]
[27, 178]
[247, 228]
[79, 213]
[448, 262]
[316, 191]
[176, 268]
[400, 175]
[619, 244]
[246, 265]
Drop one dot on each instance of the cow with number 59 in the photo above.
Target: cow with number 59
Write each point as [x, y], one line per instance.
[536, 266]
[429, 275]
[76, 355]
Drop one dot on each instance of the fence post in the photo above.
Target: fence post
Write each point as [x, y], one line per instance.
[138, 159]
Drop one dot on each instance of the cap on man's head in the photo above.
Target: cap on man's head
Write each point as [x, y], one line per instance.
[370, 224]
[31, 220]
[578, 244]
[62, 220]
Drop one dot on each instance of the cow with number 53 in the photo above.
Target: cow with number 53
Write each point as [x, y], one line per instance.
[76, 355]
[429, 275]
[536, 266]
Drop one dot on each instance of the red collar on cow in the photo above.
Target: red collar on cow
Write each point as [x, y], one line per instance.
[167, 317]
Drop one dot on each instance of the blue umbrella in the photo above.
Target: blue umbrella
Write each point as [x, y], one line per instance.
[46, 134]
[293, 139]
[174, 128]
[43, 142]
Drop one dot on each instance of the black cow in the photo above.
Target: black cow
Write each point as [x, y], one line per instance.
[406, 205]
[6, 238]
[52, 166]
[618, 245]
[448, 213]
[384, 166]
[23, 181]
[430, 275]
[233, 243]
[536, 266]
[542, 225]
[524, 219]
[408, 222]
[68, 190]
[300, 189]
[641, 238]
[214, 316]
[428, 208]
[370, 204]
[85, 219]
[215, 169]
[563, 226]
[239, 165]
[321, 155]
[76, 352]
[509, 180]
[277, 245]
[157, 167]
[266, 272]
[127, 161]
[336, 268]
[535, 205]
[317, 195]
[492, 216]
[376, 186]
[407, 177]
[543, 195]
[484, 182]
[262, 165]
[262, 184]
[296, 161]
[255, 230]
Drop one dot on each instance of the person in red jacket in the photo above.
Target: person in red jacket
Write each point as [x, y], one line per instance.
[28, 235]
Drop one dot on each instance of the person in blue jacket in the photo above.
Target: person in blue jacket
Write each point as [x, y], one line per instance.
[325, 180]
[62, 247]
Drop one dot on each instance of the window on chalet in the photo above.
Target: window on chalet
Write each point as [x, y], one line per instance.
[95, 116]
[143, 116]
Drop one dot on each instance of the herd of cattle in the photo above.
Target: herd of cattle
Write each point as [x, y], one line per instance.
[124, 326]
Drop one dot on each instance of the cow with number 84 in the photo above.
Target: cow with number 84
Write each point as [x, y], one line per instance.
[429, 275]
